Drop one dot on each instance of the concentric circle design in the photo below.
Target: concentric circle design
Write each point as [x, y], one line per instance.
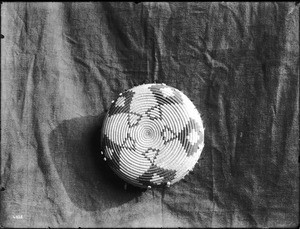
[152, 135]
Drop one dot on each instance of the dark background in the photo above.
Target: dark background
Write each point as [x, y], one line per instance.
[63, 63]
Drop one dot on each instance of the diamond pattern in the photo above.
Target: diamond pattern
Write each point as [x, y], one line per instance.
[154, 113]
[133, 119]
[168, 135]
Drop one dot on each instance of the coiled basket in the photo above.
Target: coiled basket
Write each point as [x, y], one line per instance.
[152, 135]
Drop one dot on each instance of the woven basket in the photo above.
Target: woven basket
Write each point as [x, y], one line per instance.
[152, 135]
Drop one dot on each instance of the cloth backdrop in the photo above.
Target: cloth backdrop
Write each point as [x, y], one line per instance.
[63, 63]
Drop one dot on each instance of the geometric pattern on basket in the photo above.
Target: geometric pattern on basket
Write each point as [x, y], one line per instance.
[152, 135]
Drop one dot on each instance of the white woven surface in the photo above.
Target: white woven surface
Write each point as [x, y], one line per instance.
[152, 135]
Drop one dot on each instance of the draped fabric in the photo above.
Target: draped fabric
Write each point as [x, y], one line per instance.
[63, 63]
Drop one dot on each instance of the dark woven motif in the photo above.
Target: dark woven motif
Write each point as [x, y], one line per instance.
[152, 135]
